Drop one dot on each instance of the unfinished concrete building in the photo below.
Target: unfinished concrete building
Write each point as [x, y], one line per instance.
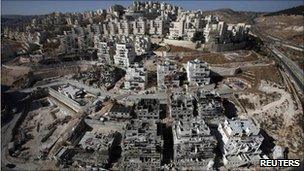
[125, 54]
[198, 73]
[105, 52]
[95, 150]
[104, 76]
[141, 147]
[193, 145]
[240, 142]
[181, 105]
[120, 112]
[209, 104]
[136, 77]
[167, 75]
[95, 147]
[142, 45]
[147, 109]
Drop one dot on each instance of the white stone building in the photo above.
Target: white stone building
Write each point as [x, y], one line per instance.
[219, 32]
[158, 26]
[125, 54]
[140, 26]
[112, 26]
[198, 73]
[96, 29]
[124, 28]
[176, 29]
[187, 23]
[104, 52]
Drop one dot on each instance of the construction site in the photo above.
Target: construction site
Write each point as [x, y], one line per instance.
[255, 88]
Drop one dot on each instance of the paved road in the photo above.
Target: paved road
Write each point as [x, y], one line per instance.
[290, 66]
[286, 43]
[295, 71]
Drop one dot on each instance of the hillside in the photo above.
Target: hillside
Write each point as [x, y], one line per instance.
[299, 10]
[15, 20]
[231, 16]
[284, 24]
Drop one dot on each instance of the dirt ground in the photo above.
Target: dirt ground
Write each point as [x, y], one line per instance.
[176, 49]
[255, 74]
[278, 114]
[222, 58]
[15, 76]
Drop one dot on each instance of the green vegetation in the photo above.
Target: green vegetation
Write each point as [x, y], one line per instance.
[255, 43]
[198, 36]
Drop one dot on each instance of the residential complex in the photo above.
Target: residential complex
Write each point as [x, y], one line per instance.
[150, 86]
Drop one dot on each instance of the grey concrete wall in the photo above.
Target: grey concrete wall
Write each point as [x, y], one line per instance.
[64, 99]
[224, 71]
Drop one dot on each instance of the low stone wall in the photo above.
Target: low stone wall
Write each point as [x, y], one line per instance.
[210, 47]
[224, 71]
[160, 53]
[168, 54]
[182, 43]
[156, 40]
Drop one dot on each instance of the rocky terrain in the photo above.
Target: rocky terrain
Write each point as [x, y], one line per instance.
[286, 24]
[232, 16]
[285, 27]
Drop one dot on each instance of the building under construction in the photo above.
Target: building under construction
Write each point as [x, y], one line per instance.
[141, 147]
[181, 105]
[209, 105]
[240, 142]
[193, 144]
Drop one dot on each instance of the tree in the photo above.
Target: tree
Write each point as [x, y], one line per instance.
[198, 36]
